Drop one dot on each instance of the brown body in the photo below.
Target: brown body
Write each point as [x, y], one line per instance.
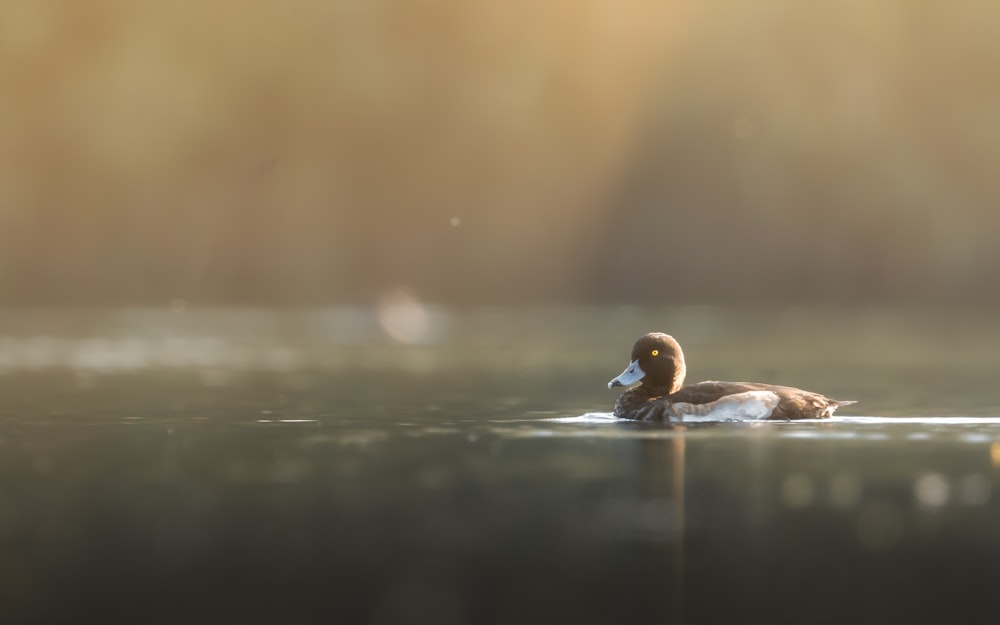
[658, 365]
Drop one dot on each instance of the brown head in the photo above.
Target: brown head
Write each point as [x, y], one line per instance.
[657, 360]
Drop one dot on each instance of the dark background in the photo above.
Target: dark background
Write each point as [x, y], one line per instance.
[306, 152]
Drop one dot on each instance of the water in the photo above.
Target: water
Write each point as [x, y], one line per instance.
[426, 466]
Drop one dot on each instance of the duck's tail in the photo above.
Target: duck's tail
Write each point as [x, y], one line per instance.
[826, 407]
[833, 404]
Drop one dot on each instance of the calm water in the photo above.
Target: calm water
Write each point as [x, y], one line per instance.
[414, 465]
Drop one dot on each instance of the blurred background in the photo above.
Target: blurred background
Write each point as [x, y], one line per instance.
[299, 152]
[311, 305]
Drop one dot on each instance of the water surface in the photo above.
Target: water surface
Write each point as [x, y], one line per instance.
[330, 466]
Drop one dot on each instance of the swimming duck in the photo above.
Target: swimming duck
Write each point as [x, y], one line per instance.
[657, 363]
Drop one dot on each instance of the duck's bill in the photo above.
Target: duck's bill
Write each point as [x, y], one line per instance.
[632, 374]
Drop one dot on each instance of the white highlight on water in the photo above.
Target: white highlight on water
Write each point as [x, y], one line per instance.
[607, 417]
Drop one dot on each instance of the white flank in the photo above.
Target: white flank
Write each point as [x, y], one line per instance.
[747, 406]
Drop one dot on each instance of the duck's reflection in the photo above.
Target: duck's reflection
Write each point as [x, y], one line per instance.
[663, 470]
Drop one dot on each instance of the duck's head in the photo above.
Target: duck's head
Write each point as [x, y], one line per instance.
[657, 360]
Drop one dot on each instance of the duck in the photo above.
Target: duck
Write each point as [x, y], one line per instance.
[656, 373]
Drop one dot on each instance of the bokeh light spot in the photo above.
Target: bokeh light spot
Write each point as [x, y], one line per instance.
[403, 317]
[797, 491]
[931, 490]
[995, 454]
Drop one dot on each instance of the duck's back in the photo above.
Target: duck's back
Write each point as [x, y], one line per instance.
[790, 403]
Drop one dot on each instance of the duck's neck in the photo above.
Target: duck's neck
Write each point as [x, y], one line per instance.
[648, 390]
[659, 390]
[680, 372]
[674, 383]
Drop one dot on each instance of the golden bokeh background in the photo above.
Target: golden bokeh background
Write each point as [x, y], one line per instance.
[306, 152]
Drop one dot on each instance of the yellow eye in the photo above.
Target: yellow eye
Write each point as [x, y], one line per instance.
[656, 352]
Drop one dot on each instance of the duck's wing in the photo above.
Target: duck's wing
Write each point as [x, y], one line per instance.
[792, 403]
[708, 392]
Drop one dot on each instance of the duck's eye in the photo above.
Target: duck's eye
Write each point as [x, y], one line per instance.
[655, 353]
